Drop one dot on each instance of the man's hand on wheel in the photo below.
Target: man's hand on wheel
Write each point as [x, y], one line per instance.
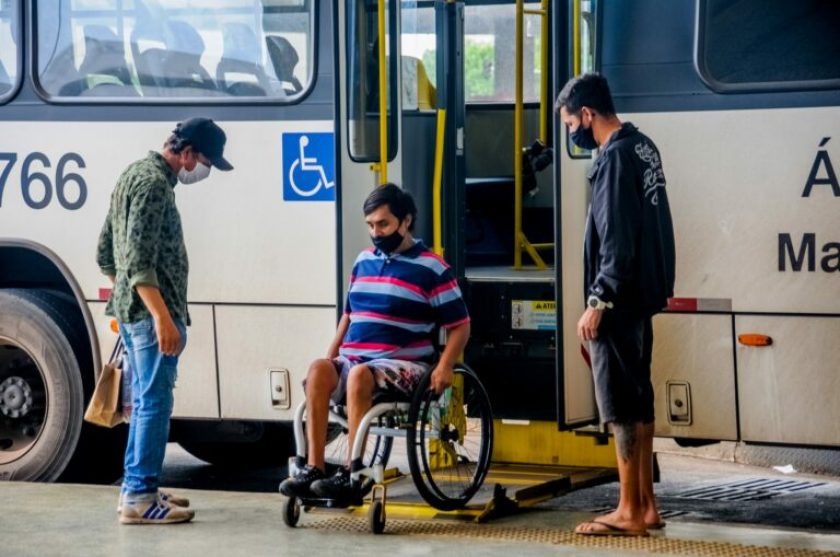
[441, 379]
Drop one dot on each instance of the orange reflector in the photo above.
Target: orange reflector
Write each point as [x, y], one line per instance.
[755, 340]
[115, 326]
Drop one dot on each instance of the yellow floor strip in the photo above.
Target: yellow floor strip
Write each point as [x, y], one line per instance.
[489, 480]
[656, 544]
[403, 510]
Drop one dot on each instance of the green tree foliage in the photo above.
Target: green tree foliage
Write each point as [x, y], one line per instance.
[479, 65]
[430, 62]
[479, 68]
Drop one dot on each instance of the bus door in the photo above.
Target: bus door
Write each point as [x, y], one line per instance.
[509, 238]
[508, 201]
[367, 38]
[525, 202]
[502, 234]
[577, 23]
[456, 91]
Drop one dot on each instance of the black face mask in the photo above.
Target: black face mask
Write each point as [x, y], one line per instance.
[388, 244]
[584, 138]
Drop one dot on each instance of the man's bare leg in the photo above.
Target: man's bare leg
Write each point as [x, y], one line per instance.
[629, 514]
[650, 513]
[321, 381]
[360, 387]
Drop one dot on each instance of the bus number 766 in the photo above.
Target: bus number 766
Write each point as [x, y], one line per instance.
[29, 178]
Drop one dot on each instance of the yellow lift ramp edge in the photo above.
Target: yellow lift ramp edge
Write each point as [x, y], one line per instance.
[532, 463]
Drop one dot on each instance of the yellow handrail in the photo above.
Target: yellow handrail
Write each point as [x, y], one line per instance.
[544, 72]
[383, 100]
[520, 240]
[517, 137]
[543, 13]
[437, 186]
[576, 37]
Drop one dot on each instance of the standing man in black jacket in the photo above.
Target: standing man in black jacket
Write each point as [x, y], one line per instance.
[629, 276]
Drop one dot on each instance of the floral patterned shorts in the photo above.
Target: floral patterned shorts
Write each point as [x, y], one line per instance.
[389, 375]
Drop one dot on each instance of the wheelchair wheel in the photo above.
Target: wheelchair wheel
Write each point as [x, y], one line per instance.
[291, 511]
[377, 448]
[450, 440]
[376, 517]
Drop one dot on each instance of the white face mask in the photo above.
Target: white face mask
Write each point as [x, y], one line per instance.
[200, 172]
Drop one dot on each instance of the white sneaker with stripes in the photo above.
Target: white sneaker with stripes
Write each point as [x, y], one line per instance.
[153, 511]
[164, 496]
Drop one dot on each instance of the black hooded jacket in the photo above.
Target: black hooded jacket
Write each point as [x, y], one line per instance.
[629, 255]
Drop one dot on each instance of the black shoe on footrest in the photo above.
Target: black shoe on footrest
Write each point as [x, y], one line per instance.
[300, 484]
[340, 487]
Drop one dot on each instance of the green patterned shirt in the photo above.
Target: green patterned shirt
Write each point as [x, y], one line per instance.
[142, 242]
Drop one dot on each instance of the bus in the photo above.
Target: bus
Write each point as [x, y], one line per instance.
[452, 100]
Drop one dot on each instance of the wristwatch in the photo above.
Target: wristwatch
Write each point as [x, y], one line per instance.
[596, 303]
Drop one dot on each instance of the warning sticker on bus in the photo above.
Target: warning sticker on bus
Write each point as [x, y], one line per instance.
[533, 315]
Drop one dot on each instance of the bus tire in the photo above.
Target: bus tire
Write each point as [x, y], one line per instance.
[43, 392]
[37, 350]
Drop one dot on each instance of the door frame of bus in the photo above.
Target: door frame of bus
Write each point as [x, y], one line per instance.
[591, 466]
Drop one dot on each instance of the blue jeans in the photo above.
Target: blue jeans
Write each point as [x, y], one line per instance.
[152, 382]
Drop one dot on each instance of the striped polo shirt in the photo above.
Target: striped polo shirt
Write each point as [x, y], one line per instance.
[395, 303]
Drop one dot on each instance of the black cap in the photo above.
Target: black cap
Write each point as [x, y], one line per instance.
[205, 137]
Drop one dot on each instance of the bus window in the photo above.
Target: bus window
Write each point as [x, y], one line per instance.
[9, 53]
[417, 55]
[489, 56]
[489, 33]
[582, 54]
[754, 45]
[363, 79]
[171, 49]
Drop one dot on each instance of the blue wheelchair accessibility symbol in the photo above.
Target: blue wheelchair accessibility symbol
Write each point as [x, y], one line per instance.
[309, 166]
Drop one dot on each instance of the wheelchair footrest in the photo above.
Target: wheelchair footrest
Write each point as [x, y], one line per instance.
[328, 503]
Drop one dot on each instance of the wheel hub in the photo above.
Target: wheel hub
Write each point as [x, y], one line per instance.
[15, 397]
[449, 434]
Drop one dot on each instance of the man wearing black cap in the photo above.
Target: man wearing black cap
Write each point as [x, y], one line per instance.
[141, 249]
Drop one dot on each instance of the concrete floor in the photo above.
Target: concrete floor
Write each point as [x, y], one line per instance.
[51, 519]
[239, 513]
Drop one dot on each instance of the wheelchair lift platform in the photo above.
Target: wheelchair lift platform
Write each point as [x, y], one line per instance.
[508, 489]
[464, 465]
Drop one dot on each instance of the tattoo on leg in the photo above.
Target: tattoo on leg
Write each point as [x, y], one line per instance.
[626, 435]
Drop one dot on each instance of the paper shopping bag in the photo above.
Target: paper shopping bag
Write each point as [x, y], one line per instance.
[105, 407]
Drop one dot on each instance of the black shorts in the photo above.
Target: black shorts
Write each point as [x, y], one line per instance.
[621, 357]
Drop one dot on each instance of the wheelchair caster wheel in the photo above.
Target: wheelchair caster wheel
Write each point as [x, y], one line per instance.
[291, 512]
[376, 517]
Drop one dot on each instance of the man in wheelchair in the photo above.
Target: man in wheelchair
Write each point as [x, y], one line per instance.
[400, 293]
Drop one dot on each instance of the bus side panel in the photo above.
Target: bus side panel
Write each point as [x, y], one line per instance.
[252, 340]
[196, 393]
[694, 351]
[745, 229]
[243, 238]
[788, 390]
[196, 389]
[249, 243]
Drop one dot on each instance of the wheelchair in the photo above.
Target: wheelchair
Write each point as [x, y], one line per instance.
[449, 442]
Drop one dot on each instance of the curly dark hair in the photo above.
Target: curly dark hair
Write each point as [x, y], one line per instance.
[399, 201]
